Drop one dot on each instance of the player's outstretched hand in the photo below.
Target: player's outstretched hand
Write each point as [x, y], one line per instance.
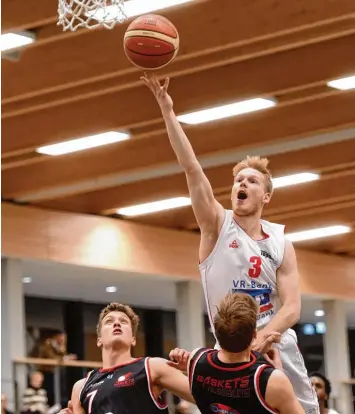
[67, 410]
[179, 359]
[159, 91]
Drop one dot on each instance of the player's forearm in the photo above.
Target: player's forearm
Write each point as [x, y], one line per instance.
[179, 142]
[285, 318]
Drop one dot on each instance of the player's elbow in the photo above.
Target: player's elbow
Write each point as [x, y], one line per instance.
[191, 166]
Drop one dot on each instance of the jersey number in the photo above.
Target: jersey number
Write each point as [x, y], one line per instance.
[255, 270]
[91, 396]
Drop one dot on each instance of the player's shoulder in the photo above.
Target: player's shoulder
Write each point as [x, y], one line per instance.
[272, 227]
[277, 380]
[155, 365]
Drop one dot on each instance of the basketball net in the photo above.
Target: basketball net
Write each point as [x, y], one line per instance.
[91, 14]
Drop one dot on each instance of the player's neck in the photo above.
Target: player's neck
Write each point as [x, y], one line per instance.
[233, 358]
[322, 408]
[251, 225]
[113, 357]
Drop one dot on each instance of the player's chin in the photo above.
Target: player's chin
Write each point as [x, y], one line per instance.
[242, 210]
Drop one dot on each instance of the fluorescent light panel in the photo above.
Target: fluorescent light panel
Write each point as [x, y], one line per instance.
[226, 111]
[111, 289]
[317, 233]
[83, 143]
[132, 8]
[343, 83]
[155, 206]
[13, 40]
[294, 179]
[27, 279]
[319, 312]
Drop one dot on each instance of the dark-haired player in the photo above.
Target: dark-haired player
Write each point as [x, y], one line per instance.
[322, 387]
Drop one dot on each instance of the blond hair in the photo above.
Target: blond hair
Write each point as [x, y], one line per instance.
[256, 163]
[235, 322]
[119, 307]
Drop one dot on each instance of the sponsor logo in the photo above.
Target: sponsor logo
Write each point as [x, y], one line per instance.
[239, 382]
[126, 380]
[262, 296]
[96, 384]
[267, 255]
[222, 409]
[234, 245]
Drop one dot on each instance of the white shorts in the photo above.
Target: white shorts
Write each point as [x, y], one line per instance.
[294, 368]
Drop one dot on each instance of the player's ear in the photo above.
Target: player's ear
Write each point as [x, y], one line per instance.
[267, 198]
[99, 342]
[134, 341]
[255, 334]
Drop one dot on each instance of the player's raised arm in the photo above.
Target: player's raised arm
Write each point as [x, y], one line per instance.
[284, 402]
[209, 213]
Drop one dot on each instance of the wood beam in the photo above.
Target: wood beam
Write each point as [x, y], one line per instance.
[265, 76]
[241, 22]
[22, 15]
[101, 80]
[255, 129]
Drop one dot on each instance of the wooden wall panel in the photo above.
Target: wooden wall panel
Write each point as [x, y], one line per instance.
[114, 244]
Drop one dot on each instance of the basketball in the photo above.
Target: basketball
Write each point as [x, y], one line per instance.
[151, 42]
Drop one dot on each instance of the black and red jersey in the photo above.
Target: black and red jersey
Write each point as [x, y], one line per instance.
[124, 389]
[229, 388]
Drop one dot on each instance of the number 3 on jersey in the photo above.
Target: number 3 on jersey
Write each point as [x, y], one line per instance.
[255, 270]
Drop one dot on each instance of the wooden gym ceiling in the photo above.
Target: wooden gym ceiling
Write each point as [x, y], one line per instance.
[69, 85]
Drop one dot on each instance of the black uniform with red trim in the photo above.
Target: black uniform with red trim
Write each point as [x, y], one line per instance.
[229, 388]
[124, 389]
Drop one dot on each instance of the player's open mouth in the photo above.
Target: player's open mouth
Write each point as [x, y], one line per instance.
[117, 331]
[242, 195]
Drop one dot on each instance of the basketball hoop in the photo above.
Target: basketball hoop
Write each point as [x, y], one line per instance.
[91, 14]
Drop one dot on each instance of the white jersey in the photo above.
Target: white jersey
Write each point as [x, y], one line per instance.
[240, 264]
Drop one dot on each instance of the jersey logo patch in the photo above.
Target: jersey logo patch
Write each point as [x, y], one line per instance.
[262, 297]
[222, 409]
[126, 380]
[234, 245]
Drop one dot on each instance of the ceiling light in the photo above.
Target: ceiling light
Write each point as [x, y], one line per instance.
[26, 279]
[155, 206]
[111, 289]
[15, 40]
[319, 312]
[83, 143]
[317, 233]
[132, 8]
[226, 111]
[294, 179]
[343, 83]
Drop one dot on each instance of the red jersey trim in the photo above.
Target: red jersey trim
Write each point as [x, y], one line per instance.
[84, 383]
[262, 401]
[119, 366]
[266, 236]
[150, 387]
[192, 368]
[239, 368]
